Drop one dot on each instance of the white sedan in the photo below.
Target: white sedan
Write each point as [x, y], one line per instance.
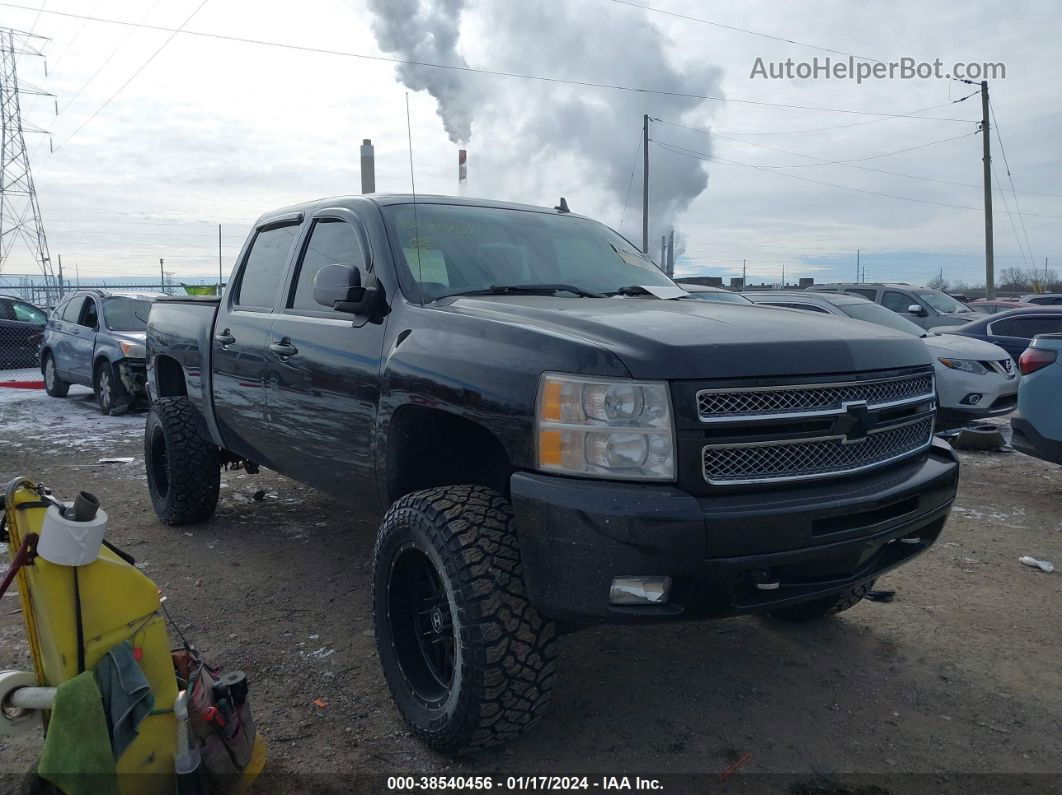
[975, 379]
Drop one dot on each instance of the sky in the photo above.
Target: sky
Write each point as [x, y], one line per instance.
[161, 137]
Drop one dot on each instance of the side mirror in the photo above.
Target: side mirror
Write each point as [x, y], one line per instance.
[340, 287]
[917, 309]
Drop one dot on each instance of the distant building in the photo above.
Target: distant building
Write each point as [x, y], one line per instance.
[706, 281]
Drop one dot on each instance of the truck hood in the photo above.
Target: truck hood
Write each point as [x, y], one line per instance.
[959, 347]
[951, 319]
[699, 340]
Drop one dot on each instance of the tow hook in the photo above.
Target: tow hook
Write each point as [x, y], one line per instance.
[764, 580]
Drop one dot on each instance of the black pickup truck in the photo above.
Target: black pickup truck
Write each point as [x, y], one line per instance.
[555, 437]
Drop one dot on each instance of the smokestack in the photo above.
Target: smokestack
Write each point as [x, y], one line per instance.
[462, 171]
[669, 268]
[368, 166]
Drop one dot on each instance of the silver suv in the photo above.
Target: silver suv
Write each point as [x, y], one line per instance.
[922, 305]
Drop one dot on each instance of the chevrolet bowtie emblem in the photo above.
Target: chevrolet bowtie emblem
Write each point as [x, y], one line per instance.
[854, 423]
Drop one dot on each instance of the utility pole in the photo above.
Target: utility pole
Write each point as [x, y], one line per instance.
[162, 276]
[20, 213]
[221, 278]
[857, 266]
[645, 183]
[986, 144]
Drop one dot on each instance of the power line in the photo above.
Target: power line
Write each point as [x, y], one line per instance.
[475, 70]
[1006, 165]
[852, 164]
[132, 32]
[627, 197]
[1014, 229]
[76, 36]
[822, 161]
[736, 29]
[909, 114]
[133, 76]
[884, 154]
[769, 169]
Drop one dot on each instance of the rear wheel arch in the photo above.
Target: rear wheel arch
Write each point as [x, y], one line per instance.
[169, 377]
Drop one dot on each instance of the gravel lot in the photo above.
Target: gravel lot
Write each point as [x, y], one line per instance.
[960, 675]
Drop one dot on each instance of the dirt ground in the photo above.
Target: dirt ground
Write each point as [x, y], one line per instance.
[961, 674]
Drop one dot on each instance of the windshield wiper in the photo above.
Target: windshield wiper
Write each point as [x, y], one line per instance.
[529, 289]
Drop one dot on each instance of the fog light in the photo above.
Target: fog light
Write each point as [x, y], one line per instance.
[639, 590]
[972, 399]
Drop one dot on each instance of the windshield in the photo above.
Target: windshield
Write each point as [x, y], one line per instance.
[875, 313]
[726, 298]
[126, 314]
[942, 302]
[446, 249]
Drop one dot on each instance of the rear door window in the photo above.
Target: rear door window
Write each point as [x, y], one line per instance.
[871, 294]
[72, 313]
[264, 266]
[1029, 327]
[6, 311]
[332, 242]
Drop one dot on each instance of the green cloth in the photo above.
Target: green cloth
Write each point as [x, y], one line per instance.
[77, 755]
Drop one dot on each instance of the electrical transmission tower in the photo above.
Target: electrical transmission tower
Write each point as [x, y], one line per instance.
[20, 214]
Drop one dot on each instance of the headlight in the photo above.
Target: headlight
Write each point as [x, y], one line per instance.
[605, 427]
[966, 365]
[133, 350]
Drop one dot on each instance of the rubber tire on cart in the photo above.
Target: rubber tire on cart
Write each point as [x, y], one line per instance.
[111, 395]
[53, 384]
[183, 467]
[820, 608]
[469, 661]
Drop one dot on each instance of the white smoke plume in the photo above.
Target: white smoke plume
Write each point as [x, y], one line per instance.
[537, 141]
[428, 31]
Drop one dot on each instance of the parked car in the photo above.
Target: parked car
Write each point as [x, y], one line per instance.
[703, 292]
[555, 442]
[1048, 299]
[1037, 425]
[1014, 329]
[995, 306]
[96, 339]
[21, 329]
[923, 306]
[975, 379]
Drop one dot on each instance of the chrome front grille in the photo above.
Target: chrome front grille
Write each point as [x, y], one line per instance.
[803, 459]
[732, 404]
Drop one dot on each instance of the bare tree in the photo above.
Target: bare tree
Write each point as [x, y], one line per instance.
[1013, 278]
[938, 282]
[1041, 280]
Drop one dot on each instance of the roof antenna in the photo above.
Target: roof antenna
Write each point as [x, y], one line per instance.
[563, 206]
[416, 226]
